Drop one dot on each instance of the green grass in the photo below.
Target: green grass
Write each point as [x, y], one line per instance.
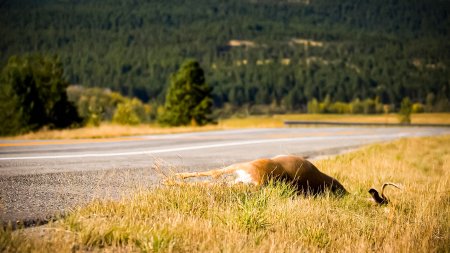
[219, 218]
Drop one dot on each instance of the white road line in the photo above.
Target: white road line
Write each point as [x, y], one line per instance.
[221, 145]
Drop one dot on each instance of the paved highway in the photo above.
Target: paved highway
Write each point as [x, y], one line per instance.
[41, 178]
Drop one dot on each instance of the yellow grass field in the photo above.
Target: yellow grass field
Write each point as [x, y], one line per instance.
[108, 130]
[418, 118]
[273, 218]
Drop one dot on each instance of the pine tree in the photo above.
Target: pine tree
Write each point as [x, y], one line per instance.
[33, 94]
[188, 99]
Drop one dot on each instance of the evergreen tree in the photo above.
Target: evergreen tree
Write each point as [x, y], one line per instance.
[33, 94]
[188, 99]
[405, 111]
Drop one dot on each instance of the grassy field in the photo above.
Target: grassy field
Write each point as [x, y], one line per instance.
[418, 118]
[273, 218]
[108, 130]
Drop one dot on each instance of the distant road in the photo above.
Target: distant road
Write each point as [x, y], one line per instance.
[39, 178]
[372, 124]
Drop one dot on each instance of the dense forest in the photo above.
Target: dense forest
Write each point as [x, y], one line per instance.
[259, 52]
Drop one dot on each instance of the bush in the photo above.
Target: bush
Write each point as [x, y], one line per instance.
[405, 111]
[357, 107]
[132, 112]
[313, 106]
[340, 108]
[368, 106]
[418, 108]
[94, 104]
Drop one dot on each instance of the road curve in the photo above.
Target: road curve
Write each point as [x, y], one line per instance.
[41, 178]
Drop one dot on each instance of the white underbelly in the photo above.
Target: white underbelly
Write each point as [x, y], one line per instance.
[244, 177]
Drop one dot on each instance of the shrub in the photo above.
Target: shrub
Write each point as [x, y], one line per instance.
[340, 107]
[405, 111]
[418, 108]
[132, 112]
[368, 106]
[94, 104]
[313, 106]
[357, 106]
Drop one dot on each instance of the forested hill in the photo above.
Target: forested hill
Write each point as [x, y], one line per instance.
[256, 51]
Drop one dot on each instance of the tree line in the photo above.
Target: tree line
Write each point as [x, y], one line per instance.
[264, 54]
[34, 94]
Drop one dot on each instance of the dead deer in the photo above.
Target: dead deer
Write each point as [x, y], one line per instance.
[302, 174]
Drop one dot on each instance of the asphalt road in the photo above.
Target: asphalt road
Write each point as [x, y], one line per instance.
[41, 178]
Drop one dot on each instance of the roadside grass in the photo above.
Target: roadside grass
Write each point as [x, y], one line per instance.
[417, 118]
[218, 218]
[109, 130]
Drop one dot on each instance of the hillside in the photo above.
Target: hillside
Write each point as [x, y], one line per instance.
[257, 52]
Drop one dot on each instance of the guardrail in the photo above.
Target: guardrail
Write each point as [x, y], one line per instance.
[300, 122]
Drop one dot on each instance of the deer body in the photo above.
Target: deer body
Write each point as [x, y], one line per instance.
[299, 172]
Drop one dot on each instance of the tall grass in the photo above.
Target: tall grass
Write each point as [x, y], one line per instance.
[219, 218]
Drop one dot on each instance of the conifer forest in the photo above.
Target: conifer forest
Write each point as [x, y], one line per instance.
[283, 53]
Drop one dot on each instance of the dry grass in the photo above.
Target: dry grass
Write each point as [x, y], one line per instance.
[108, 130]
[273, 218]
[419, 118]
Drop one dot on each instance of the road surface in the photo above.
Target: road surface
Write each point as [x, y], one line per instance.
[41, 178]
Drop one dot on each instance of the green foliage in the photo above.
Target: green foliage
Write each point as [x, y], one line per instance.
[132, 112]
[33, 95]
[368, 106]
[94, 105]
[357, 106]
[430, 102]
[11, 114]
[405, 111]
[417, 108]
[442, 104]
[252, 211]
[367, 49]
[313, 106]
[188, 98]
[125, 115]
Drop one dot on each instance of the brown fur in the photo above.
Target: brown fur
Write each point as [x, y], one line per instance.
[381, 200]
[301, 173]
